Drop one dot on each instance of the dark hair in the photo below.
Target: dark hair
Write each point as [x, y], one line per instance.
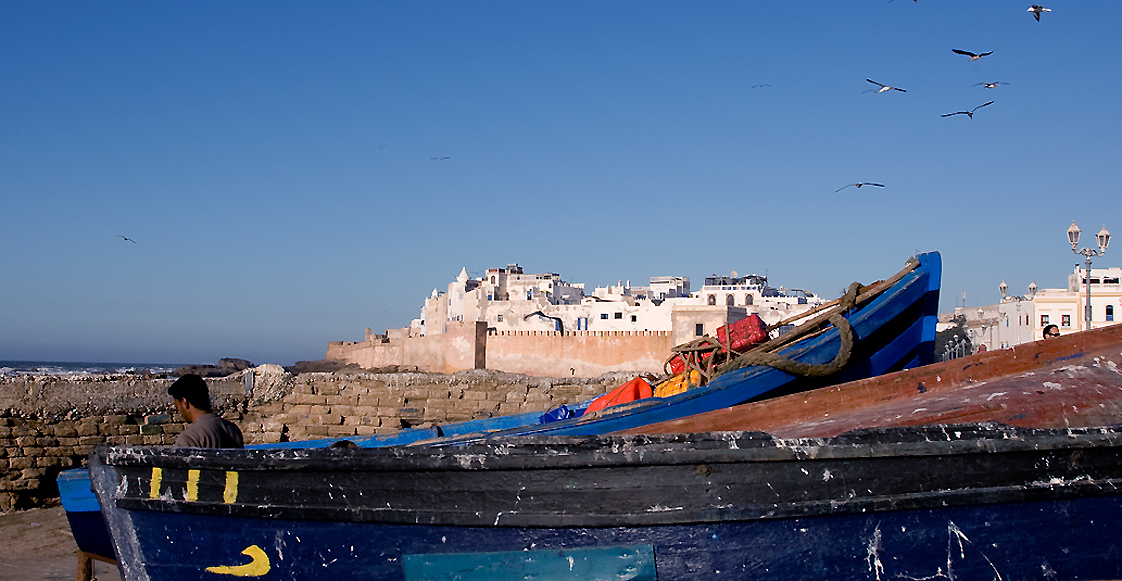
[1048, 330]
[192, 388]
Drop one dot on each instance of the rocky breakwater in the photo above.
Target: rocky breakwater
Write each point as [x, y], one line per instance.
[49, 424]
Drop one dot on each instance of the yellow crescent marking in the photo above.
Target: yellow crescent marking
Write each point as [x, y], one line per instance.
[192, 485]
[230, 495]
[154, 488]
[255, 568]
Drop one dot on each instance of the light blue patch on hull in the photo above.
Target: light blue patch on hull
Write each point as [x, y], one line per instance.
[633, 562]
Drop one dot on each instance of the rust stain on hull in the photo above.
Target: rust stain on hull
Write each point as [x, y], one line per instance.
[1071, 381]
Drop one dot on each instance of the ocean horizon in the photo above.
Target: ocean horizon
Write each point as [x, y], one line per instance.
[82, 368]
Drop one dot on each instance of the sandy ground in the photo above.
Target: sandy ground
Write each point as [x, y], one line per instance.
[36, 545]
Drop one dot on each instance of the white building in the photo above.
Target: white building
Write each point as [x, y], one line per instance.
[1021, 319]
[508, 299]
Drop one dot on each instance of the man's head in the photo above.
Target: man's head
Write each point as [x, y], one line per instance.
[192, 389]
[1051, 331]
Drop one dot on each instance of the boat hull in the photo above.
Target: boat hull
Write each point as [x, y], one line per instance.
[983, 542]
[969, 501]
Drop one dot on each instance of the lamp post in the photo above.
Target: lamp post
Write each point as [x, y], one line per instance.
[1103, 238]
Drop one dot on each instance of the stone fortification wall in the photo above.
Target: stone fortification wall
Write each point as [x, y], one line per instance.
[537, 353]
[50, 424]
[578, 353]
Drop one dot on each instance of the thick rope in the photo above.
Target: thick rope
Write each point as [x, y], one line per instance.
[787, 365]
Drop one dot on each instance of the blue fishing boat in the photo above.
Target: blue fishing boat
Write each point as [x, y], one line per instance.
[960, 502]
[875, 329]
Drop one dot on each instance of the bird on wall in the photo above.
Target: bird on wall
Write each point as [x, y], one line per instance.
[442, 158]
[1036, 9]
[992, 85]
[972, 56]
[859, 185]
[126, 238]
[884, 88]
[969, 113]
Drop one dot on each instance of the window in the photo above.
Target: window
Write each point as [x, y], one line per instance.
[730, 300]
[747, 299]
[619, 315]
[604, 316]
[1066, 320]
[500, 318]
[634, 318]
[490, 297]
[712, 299]
[1110, 312]
[1043, 320]
[492, 280]
[699, 329]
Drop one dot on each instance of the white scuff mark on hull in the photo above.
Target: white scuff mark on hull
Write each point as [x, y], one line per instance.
[872, 556]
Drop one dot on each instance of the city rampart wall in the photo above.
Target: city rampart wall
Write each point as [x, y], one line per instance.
[537, 353]
[578, 353]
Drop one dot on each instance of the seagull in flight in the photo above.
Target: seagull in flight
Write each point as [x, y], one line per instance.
[759, 86]
[992, 85]
[972, 56]
[441, 158]
[1036, 9]
[126, 238]
[884, 88]
[858, 185]
[969, 113]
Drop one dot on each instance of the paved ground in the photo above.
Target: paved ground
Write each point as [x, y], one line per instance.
[36, 545]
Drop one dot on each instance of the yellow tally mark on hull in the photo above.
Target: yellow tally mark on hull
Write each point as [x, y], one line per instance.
[192, 485]
[154, 488]
[258, 566]
[230, 494]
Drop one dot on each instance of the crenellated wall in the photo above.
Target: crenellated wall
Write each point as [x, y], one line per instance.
[49, 424]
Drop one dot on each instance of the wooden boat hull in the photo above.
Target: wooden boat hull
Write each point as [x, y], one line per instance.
[968, 502]
[1069, 382]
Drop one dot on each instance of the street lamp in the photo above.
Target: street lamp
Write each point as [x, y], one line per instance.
[1103, 238]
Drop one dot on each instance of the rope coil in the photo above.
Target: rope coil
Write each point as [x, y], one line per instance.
[710, 358]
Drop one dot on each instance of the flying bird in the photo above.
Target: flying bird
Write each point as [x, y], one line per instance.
[972, 56]
[969, 113]
[441, 158]
[759, 86]
[992, 85]
[858, 185]
[126, 238]
[884, 88]
[1036, 9]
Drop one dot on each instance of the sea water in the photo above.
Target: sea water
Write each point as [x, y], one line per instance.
[82, 368]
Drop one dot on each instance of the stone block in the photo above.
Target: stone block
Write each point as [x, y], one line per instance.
[342, 400]
[47, 461]
[134, 440]
[342, 410]
[307, 399]
[157, 419]
[66, 430]
[507, 408]
[151, 430]
[340, 431]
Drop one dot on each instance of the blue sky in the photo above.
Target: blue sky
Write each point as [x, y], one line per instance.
[272, 159]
